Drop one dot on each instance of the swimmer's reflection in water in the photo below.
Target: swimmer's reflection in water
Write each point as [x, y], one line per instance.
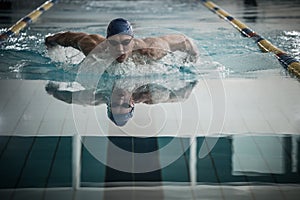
[121, 95]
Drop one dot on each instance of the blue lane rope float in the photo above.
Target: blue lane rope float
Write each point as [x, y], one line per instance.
[288, 62]
[25, 21]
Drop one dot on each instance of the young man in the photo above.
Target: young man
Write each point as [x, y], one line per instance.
[121, 42]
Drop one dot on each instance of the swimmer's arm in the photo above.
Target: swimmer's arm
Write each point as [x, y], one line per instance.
[66, 39]
[155, 48]
[81, 41]
[78, 97]
[182, 94]
[182, 43]
[158, 47]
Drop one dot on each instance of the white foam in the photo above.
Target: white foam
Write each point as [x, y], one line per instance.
[66, 55]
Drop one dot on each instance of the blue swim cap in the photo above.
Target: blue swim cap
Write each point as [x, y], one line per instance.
[119, 26]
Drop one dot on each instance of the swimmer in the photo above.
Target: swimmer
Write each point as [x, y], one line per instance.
[122, 43]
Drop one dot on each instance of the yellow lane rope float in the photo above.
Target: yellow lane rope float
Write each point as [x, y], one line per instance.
[25, 21]
[288, 62]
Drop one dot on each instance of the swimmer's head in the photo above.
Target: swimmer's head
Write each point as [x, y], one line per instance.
[119, 26]
[119, 119]
[120, 106]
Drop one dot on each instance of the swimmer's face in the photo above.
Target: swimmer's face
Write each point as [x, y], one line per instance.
[121, 102]
[120, 46]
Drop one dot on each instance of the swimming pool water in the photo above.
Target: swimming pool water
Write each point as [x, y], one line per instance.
[226, 127]
[277, 22]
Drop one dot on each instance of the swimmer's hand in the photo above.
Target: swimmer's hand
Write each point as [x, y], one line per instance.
[51, 87]
[3, 37]
[191, 58]
[50, 42]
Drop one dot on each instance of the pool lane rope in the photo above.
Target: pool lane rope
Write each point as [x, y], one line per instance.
[25, 21]
[288, 62]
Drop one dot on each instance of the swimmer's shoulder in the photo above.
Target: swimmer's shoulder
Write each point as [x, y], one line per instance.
[97, 37]
[147, 42]
[89, 42]
[139, 43]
